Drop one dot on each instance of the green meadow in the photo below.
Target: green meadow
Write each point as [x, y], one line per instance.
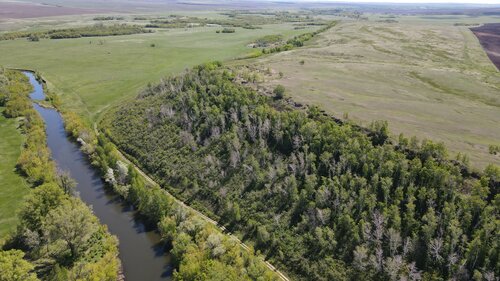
[92, 74]
[12, 185]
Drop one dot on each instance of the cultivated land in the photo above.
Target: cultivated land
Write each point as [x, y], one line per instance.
[489, 36]
[30, 10]
[95, 73]
[12, 186]
[427, 77]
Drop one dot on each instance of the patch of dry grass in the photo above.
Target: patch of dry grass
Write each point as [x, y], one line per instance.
[429, 80]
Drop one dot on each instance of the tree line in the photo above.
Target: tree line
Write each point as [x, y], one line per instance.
[325, 201]
[297, 41]
[58, 236]
[87, 31]
[104, 18]
[244, 20]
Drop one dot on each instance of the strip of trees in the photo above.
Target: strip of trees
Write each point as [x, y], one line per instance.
[248, 22]
[58, 237]
[77, 32]
[297, 41]
[326, 201]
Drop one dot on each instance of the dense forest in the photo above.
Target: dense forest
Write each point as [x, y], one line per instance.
[77, 32]
[199, 249]
[58, 237]
[323, 200]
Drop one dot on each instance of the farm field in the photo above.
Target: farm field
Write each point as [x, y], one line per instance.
[489, 36]
[12, 185]
[95, 73]
[426, 78]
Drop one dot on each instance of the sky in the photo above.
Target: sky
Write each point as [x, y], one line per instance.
[421, 1]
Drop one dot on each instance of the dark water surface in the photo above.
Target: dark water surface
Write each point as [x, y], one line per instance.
[141, 252]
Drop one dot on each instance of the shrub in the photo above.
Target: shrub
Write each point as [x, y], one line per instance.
[33, 38]
[279, 92]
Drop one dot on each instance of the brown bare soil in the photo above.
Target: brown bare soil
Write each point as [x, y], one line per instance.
[13, 10]
[489, 37]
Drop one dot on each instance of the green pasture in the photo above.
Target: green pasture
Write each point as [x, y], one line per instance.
[92, 74]
[12, 185]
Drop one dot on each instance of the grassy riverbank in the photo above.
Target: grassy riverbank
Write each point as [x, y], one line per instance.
[12, 186]
[56, 229]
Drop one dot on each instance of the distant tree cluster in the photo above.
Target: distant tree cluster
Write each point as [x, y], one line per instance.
[33, 38]
[96, 30]
[298, 41]
[326, 201]
[247, 22]
[105, 18]
[268, 40]
[58, 237]
[88, 31]
[227, 30]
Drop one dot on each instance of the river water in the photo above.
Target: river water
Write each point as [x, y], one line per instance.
[142, 254]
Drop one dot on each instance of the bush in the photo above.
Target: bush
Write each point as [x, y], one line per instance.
[33, 38]
[279, 92]
[228, 30]
[268, 40]
[494, 149]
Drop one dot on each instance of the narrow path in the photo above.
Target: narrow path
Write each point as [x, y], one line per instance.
[204, 217]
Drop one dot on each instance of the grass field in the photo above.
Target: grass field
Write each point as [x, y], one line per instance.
[12, 186]
[94, 73]
[427, 78]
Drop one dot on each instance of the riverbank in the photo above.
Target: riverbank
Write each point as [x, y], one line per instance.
[13, 187]
[147, 197]
[139, 244]
[56, 228]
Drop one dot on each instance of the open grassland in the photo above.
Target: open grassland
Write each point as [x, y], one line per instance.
[435, 20]
[428, 79]
[12, 186]
[94, 73]
[69, 21]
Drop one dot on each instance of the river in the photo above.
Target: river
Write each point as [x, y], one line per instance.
[142, 254]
